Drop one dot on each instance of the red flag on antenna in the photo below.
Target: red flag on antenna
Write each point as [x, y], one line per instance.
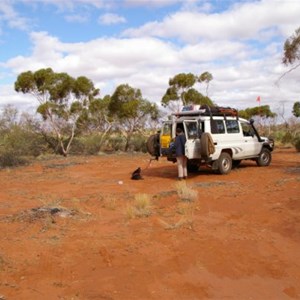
[258, 99]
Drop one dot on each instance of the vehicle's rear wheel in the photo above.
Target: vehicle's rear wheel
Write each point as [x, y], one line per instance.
[264, 158]
[224, 163]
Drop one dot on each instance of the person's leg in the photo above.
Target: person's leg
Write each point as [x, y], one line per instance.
[180, 166]
[184, 167]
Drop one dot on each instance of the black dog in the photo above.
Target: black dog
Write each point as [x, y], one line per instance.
[136, 175]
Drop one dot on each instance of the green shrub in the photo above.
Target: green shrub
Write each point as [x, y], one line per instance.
[138, 143]
[296, 143]
[11, 159]
[114, 142]
[287, 138]
[88, 144]
[23, 142]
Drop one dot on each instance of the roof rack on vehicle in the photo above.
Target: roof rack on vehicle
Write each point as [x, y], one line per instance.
[206, 110]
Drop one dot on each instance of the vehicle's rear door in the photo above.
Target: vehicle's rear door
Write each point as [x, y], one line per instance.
[192, 146]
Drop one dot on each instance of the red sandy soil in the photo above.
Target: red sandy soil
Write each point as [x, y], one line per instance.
[239, 239]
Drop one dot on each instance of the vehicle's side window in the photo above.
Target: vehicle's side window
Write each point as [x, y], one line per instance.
[166, 130]
[232, 126]
[217, 126]
[192, 131]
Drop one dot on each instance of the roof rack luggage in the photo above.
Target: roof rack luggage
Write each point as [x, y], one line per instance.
[220, 110]
[206, 110]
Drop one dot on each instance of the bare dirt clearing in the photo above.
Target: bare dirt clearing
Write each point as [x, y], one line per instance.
[66, 232]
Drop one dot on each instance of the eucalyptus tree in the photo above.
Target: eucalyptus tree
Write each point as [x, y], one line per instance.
[296, 109]
[207, 78]
[261, 111]
[195, 97]
[62, 101]
[291, 52]
[292, 49]
[132, 111]
[181, 91]
[178, 87]
[8, 118]
[97, 119]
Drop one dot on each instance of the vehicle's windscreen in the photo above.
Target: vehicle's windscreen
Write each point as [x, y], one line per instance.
[247, 129]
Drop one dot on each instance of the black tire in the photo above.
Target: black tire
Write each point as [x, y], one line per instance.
[236, 163]
[153, 145]
[192, 167]
[224, 163]
[265, 158]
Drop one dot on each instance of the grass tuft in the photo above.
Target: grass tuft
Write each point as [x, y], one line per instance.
[141, 207]
[185, 192]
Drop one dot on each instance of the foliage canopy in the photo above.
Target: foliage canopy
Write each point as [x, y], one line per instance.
[292, 48]
[263, 111]
[181, 91]
[296, 109]
[62, 101]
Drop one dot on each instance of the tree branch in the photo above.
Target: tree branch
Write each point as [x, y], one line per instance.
[290, 70]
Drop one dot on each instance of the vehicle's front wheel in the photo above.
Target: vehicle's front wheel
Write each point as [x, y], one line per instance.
[224, 163]
[264, 158]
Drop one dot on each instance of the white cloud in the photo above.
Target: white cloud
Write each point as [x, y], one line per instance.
[9, 96]
[108, 4]
[243, 21]
[215, 50]
[103, 60]
[11, 17]
[109, 19]
[146, 59]
[69, 4]
[148, 63]
[153, 3]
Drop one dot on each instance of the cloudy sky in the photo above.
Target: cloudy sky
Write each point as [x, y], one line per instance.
[146, 42]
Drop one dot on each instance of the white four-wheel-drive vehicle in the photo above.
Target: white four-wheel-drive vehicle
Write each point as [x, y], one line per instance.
[215, 136]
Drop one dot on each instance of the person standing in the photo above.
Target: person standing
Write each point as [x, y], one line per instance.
[180, 153]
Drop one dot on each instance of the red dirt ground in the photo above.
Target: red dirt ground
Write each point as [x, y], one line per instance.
[240, 239]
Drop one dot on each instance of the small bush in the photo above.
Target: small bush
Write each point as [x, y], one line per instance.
[287, 138]
[141, 207]
[11, 159]
[115, 142]
[296, 143]
[23, 142]
[87, 145]
[138, 144]
[185, 193]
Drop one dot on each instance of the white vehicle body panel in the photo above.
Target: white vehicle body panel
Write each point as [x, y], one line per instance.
[240, 145]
